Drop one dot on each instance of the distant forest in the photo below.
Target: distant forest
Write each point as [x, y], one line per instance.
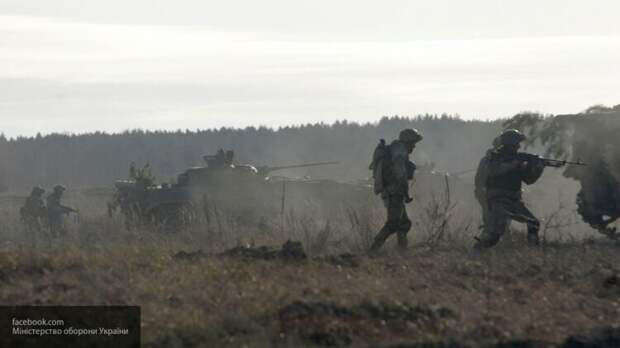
[97, 159]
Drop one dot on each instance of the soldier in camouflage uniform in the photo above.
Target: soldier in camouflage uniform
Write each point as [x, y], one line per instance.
[56, 211]
[504, 172]
[396, 171]
[33, 213]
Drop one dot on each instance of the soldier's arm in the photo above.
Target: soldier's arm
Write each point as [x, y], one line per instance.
[69, 209]
[63, 209]
[533, 171]
[501, 167]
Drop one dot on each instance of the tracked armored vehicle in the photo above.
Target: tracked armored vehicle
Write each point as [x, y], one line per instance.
[249, 194]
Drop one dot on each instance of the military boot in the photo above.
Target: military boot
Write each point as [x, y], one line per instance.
[403, 243]
[375, 247]
[379, 240]
[532, 238]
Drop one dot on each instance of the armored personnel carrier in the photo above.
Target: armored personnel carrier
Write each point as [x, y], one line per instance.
[248, 193]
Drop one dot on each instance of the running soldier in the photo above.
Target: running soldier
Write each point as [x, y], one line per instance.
[500, 176]
[392, 170]
[56, 211]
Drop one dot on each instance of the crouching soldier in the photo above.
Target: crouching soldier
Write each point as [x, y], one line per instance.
[505, 171]
[392, 170]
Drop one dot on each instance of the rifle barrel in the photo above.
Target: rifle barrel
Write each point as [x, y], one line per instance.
[579, 163]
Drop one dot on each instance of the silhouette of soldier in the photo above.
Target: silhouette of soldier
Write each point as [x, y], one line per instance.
[392, 170]
[506, 170]
[33, 213]
[56, 211]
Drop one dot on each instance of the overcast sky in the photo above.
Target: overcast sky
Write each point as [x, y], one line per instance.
[78, 66]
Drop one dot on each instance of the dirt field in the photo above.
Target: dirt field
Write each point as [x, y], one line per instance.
[222, 284]
[513, 296]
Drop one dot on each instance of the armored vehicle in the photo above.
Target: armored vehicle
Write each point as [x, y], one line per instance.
[243, 193]
[248, 193]
[144, 203]
[156, 205]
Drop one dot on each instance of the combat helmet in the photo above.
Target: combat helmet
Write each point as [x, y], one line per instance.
[37, 191]
[410, 135]
[511, 137]
[59, 188]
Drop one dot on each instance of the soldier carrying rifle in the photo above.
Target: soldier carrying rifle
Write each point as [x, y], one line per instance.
[499, 180]
[56, 211]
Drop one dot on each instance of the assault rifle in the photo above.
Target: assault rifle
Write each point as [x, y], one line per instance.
[69, 210]
[548, 162]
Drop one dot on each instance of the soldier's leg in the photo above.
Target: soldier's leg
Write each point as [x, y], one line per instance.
[54, 228]
[391, 225]
[35, 232]
[485, 215]
[404, 226]
[29, 228]
[519, 212]
[380, 238]
[484, 210]
[495, 227]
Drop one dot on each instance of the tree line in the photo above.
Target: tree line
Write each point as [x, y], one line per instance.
[97, 159]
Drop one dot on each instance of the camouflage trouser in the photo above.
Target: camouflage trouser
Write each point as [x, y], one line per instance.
[33, 229]
[501, 210]
[397, 222]
[57, 226]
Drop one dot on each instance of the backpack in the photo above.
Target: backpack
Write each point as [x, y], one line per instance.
[482, 173]
[381, 158]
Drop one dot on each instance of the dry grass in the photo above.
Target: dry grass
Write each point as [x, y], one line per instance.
[512, 292]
